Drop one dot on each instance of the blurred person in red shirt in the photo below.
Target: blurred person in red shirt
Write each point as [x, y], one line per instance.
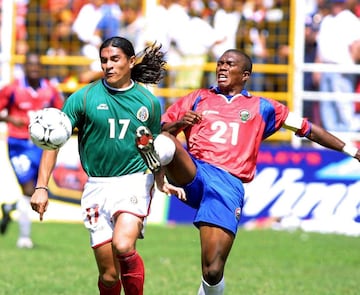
[19, 101]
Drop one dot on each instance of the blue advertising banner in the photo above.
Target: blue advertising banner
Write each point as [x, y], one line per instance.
[308, 183]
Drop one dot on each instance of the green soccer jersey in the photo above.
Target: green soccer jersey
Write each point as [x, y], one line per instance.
[107, 120]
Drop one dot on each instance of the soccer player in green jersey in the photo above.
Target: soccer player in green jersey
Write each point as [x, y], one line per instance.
[117, 195]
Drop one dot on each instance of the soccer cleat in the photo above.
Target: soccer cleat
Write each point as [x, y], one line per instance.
[24, 243]
[145, 145]
[5, 210]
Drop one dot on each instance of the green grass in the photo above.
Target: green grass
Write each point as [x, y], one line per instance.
[261, 262]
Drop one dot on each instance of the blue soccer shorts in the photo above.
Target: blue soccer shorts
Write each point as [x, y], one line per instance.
[217, 195]
[25, 159]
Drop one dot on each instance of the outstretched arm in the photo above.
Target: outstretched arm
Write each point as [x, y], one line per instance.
[16, 121]
[328, 140]
[303, 128]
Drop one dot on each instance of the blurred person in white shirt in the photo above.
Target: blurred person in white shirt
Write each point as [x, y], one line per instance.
[226, 21]
[84, 27]
[194, 41]
[338, 31]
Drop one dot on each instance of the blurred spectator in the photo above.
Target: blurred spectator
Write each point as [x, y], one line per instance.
[63, 40]
[177, 16]
[39, 26]
[311, 6]
[277, 42]
[77, 5]
[84, 27]
[109, 25]
[56, 5]
[226, 20]
[209, 8]
[157, 25]
[157, 29]
[310, 107]
[20, 22]
[21, 99]
[194, 42]
[251, 37]
[338, 114]
[354, 6]
[355, 51]
[133, 24]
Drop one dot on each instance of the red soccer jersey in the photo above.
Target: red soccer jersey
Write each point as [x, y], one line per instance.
[231, 130]
[21, 101]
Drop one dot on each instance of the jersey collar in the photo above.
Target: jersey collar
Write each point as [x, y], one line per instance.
[243, 92]
[119, 89]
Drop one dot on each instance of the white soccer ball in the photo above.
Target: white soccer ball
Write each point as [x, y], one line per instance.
[50, 128]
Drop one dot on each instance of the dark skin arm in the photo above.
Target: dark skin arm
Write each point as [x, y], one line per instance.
[13, 120]
[326, 139]
[189, 119]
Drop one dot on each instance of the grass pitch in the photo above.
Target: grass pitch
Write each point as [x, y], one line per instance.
[262, 262]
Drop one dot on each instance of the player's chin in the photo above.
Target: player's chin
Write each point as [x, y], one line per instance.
[222, 82]
[110, 79]
[222, 86]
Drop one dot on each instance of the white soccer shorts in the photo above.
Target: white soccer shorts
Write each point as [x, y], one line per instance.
[105, 196]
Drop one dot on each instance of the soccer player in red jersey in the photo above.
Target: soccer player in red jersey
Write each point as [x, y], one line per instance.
[20, 100]
[224, 127]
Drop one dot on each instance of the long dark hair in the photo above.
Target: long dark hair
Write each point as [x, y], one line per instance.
[150, 62]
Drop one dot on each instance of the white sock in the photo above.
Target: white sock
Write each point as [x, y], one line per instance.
[165, 148]
[206, 289]
[23, 207]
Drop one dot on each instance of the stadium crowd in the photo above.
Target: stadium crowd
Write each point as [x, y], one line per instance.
[192, 32]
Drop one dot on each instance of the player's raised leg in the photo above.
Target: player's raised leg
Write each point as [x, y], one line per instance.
[145, 145]
[167, 151]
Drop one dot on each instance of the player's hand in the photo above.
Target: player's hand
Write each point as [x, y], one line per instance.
[357, 156]
[170, 189]
[39, 202]
[18, 122]
[191, 118]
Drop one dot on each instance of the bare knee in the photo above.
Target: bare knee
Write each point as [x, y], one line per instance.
[108, 271]
[122, 246]
[216, 244]
[109, 277]
[126, 232]
[213, 274]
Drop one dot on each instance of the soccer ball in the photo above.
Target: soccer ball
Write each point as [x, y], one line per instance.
[50, 128]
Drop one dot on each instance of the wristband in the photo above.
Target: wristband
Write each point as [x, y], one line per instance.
[350, 150]
[42, 187]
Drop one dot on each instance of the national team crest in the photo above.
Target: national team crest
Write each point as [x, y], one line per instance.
[133, 200]
[143, 114]
[238, 213]
[244, 115]
[92, 214]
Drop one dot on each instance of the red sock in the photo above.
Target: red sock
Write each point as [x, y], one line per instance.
[132, 273]
[113, 290]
